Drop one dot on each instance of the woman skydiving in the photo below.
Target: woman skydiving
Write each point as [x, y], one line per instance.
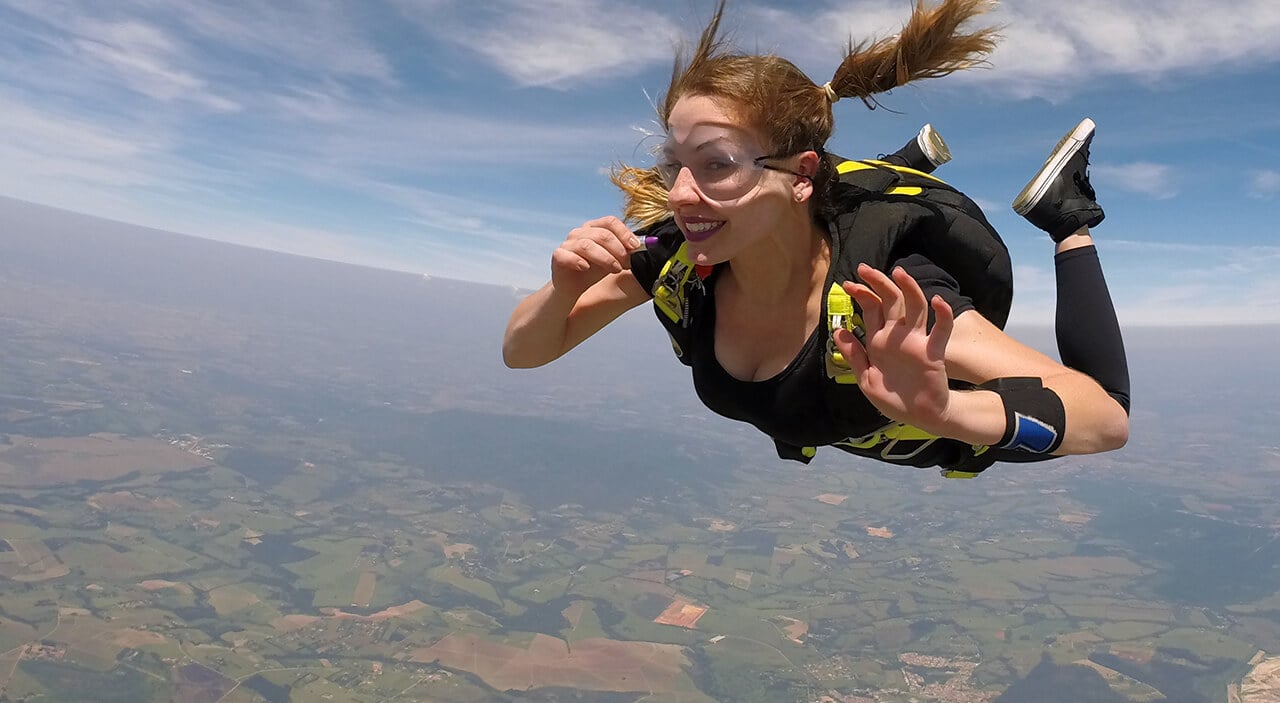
[836, 303]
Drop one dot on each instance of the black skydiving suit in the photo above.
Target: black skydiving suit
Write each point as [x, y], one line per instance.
[946, 244]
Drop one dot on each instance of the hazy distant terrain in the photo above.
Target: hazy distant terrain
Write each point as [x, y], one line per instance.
[233, 475]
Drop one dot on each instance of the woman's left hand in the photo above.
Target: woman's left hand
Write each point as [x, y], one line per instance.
[900, 365]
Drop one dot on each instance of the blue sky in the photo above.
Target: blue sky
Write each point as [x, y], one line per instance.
[464, 139]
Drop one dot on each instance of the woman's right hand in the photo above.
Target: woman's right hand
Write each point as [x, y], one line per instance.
[591, 252]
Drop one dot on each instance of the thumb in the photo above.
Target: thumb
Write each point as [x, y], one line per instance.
[855, 355]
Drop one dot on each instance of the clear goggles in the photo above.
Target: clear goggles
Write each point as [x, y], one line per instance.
[721, 168]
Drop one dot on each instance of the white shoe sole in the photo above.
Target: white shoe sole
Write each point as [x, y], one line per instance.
[1066, 148]
[935, 150]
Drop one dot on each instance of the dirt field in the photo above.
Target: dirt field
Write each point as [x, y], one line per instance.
[394, 611]
[32, 562]
[459, 549]
[795, 629]
[289, 623]
[229, 599]
[721, 526]
[1262, 685]
[124, 500]
[31, 461]
[159, 585]
[594, 664]
[573, 613]
[86, 636]
[133, 639]
[681, 613]
[831, 499]
[364, 590]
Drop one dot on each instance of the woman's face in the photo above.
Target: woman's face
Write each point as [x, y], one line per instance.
[725, 196]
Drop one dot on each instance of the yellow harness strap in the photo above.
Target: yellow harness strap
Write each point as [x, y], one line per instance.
[840, 315]
[669, 292]
[873, 164]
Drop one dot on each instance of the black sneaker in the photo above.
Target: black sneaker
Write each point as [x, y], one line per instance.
[924, 153]
[1060, 200]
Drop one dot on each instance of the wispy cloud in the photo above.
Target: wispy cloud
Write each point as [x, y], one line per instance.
[1265, 184]
[315, 37]
[1049, 49]
[553, 43]
[201, 57]
[1197, 285]
[147, 60]
[1158, 181]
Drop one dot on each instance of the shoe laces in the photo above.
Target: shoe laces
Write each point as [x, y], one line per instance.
[1081, 179]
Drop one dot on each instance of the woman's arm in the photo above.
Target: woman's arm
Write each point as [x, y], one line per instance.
[903, 370]
[549, 323]
[979, 352]
[590, 287]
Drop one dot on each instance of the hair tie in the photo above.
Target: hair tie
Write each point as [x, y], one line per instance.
[831, 92]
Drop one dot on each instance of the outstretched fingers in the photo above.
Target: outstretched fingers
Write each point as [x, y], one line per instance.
[944, 320]
[915, 309]
[870, 305]
[897, 301]
[885, 288]
[895, 298]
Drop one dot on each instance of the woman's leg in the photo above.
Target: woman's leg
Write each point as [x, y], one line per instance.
[1061, 201]
[1089, 338]
[925, 152]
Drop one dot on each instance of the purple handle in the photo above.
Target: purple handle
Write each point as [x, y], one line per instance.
[645, 243]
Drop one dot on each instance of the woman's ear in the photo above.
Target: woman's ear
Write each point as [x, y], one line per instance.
[807, 168]
[808, 165]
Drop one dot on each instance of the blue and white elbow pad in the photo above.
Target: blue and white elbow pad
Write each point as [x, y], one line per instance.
[1035, 420]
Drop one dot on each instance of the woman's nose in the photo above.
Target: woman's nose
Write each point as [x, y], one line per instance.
[684, 189]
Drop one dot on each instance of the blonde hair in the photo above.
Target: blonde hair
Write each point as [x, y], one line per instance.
[794, 113]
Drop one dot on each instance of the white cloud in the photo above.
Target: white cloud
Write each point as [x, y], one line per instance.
[1168, 284]
[1205, 284]
[1265, 184]
[145, 59]
[317, 37]
[1049, 49]
[46, 152]
[1052, 48]
[553, 43]
[218, 57]
[1158, 181]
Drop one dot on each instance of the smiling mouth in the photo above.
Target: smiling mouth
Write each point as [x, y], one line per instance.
[701, 231]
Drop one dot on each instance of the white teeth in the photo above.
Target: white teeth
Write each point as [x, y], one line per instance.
[701, 226]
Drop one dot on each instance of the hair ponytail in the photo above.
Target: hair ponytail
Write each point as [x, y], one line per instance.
[930, 45]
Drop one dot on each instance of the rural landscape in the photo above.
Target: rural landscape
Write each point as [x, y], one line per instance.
[252, 477]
